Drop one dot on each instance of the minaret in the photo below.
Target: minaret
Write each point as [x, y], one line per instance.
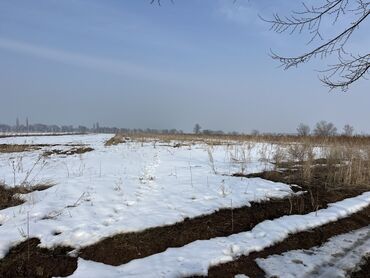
[27, 126]
[17, 124]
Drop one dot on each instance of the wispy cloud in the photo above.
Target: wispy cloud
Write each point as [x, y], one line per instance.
[84, 61]
[241, 13]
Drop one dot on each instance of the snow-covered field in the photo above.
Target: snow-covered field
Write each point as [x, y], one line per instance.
[195, 258]
[138, 185]
[116, 189]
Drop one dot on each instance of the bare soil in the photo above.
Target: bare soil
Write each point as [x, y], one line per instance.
[15, 148]
[8, 196]
[303, 240]
[72, 151]
[363, 270]
[123, 248]
[18, 148]
[29, 260]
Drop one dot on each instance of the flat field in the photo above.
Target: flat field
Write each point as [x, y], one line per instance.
[100, 205]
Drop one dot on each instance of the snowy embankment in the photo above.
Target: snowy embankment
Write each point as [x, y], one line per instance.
[124, 188]
[335, 258]
[196, 257]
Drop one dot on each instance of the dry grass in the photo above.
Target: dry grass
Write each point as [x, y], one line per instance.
[344, 160]
[115, 140]
[72, 151]
[13, 148]
[8, 195]
[221, 139]
[340, 164]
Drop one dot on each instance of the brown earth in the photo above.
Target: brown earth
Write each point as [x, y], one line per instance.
[29, 260]
[15, 148]
[364, 269]
[303, 240]
[123, 248]
[72, 151]
[8, 196]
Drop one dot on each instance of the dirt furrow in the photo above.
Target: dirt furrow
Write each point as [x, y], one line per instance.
[123, 248]
[29, 260]
[302, 240]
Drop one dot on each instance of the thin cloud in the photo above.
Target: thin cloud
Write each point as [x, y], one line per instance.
[84, 61]
[238, 13]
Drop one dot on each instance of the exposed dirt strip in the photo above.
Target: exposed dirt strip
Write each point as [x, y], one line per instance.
[28, 260]
[72, 151]
[303, 240]
[123, 248]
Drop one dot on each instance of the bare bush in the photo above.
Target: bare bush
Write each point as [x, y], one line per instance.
[303, 130]
[348, 130]
[324, 128]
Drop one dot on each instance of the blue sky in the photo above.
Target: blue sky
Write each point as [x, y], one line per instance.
[132, 64]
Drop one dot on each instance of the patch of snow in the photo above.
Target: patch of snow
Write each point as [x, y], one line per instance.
[196, 258]
[123, 188]
[334, 259]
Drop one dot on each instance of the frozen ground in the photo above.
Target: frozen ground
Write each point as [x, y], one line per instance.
[333, 259]
[196, 257]
[123, 188]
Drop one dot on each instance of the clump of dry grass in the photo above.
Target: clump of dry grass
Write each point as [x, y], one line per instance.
[72, 151]
[15, 148]
[221, 139]
[115, 140]
[348, 165]
[343, 160]
[337, 165]
[8, 195]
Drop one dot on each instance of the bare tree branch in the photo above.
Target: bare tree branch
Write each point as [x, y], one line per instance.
[349, 68]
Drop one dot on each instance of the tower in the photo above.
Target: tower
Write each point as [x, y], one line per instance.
[17, 124]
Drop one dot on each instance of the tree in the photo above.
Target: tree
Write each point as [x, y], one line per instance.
[197, 128]
[303, 130]
[255, 132]
[350, 67]
[324, 128]
[348, 130]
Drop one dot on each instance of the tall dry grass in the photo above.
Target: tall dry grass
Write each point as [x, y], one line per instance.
[340, 161]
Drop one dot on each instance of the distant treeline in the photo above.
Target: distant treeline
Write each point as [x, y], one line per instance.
[80, 129]
[322, 128]
[31, 128]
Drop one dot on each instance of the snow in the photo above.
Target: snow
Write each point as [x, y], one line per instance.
[335, 258]
[196, 258]
[124, 188]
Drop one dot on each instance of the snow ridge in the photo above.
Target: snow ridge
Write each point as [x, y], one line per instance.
[196, 257]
